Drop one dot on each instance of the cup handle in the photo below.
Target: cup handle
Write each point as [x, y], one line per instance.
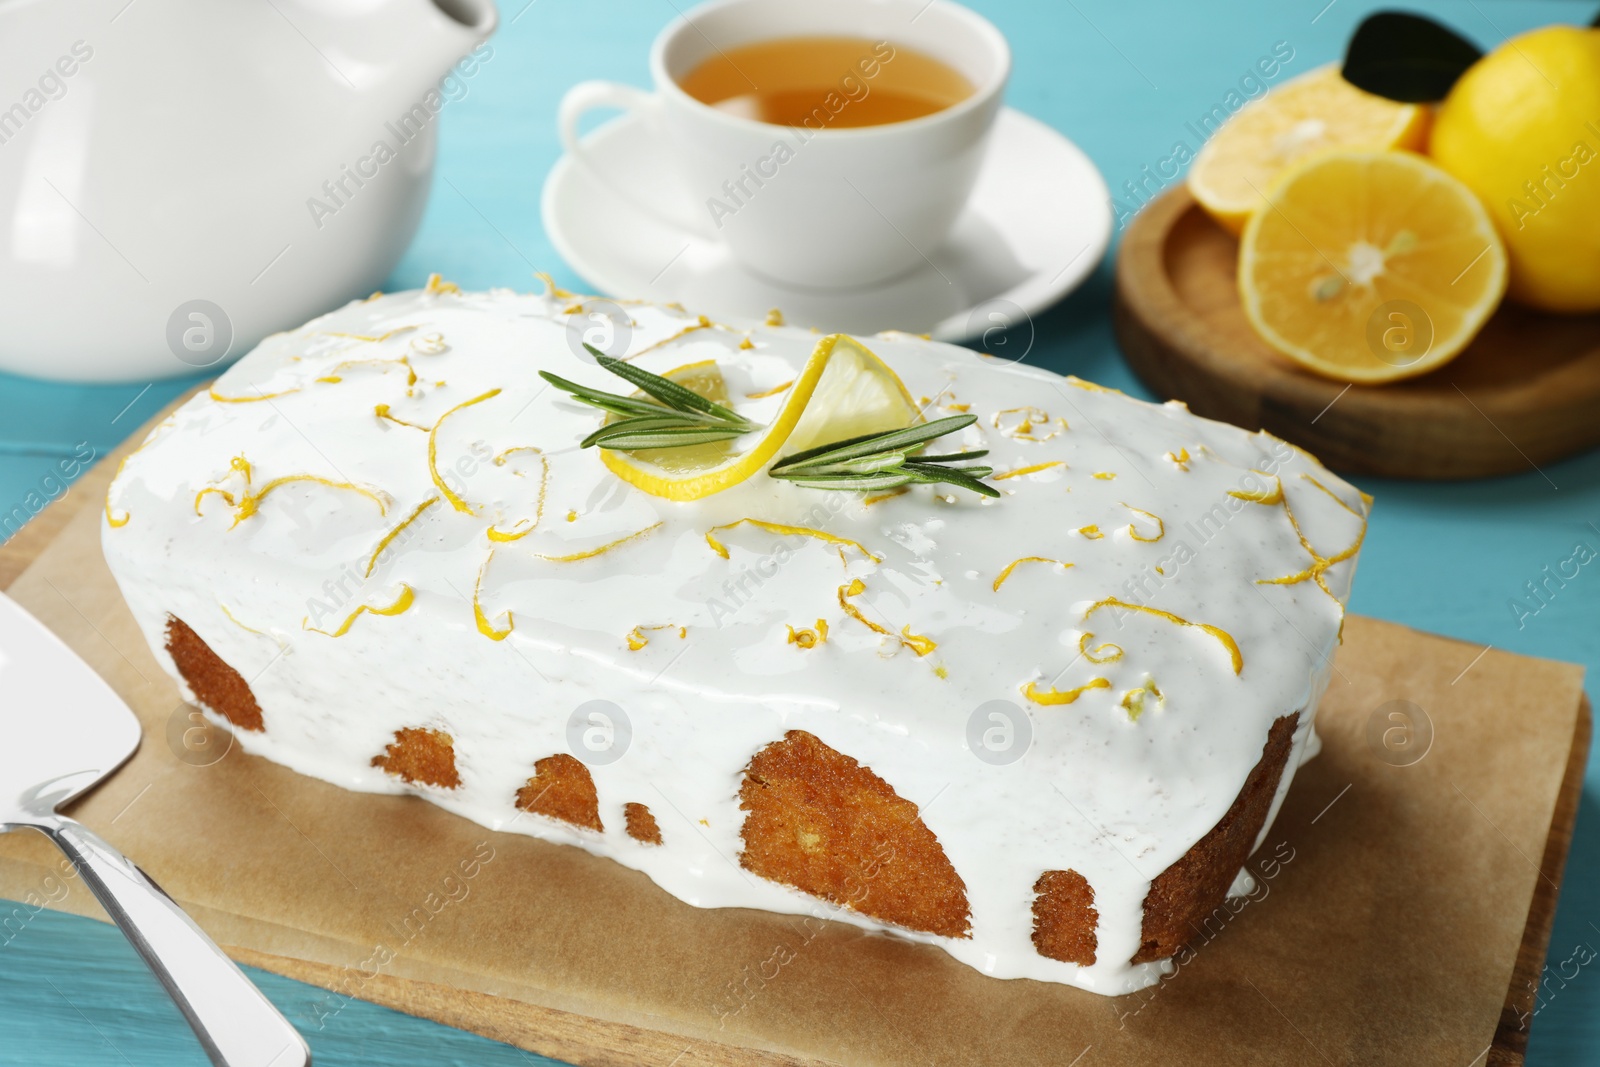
[585, 97]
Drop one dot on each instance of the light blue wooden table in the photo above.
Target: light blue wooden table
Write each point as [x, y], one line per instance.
[1122, 80]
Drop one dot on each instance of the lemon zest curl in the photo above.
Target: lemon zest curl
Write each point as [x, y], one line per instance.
[779, 528]
[1053, 696]
[1001, 580]
[406, 598]
[592, 552]
[1223, 636]
[433, 450]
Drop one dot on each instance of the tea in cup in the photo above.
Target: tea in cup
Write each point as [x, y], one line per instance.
[830, 144]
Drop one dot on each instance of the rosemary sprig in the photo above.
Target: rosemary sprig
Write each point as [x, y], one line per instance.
[675, 417]
[877, 461]
[671, 416]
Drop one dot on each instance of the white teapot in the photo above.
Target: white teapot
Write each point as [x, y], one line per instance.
[179, 178]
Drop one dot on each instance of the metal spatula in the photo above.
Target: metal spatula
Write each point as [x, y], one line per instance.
[62, 729]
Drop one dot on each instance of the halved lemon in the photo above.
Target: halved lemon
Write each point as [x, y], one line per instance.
[1370, 266]
[1315, 112]
[844, 390]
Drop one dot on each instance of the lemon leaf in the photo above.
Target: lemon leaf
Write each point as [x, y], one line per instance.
[1407, 58]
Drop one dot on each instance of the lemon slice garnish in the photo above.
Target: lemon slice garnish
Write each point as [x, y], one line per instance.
[844, 390]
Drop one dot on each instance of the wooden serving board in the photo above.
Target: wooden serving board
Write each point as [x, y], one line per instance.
[1526, 391]
[1407, 885]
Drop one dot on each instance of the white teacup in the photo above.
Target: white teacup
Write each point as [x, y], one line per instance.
[814, 207]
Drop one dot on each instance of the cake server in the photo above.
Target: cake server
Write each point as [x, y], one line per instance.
[65, 730]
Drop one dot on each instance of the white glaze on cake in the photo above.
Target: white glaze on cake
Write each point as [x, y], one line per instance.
[1113, 798]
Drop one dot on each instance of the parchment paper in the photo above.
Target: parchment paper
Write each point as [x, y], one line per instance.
[1392, 896]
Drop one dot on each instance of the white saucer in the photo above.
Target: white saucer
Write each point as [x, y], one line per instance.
[1037, 225]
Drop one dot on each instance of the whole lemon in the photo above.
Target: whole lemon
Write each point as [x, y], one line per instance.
[1522, 129]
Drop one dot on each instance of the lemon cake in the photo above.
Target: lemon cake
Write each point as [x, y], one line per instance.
[1042, 730]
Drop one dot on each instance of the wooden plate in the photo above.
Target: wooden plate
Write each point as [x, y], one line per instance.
[1525, 393]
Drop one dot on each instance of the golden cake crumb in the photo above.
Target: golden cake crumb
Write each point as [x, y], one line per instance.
[418, 755]
[641, 824]
[1064, 917]
[1196, 885]
[824, 824]
[562, 788]
[215, 684]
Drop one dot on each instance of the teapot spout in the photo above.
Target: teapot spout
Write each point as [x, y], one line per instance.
[387, 48]
[451, 28]
[443, 31]
[478, 16]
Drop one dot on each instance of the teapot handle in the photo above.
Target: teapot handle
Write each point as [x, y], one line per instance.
[585, 97]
